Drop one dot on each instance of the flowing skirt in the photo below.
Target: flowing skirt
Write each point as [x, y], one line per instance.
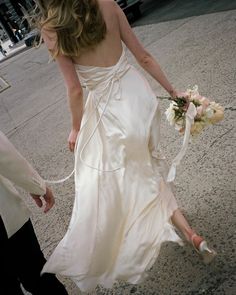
[123, 205]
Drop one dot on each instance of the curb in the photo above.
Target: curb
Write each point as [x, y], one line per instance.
[16, 52]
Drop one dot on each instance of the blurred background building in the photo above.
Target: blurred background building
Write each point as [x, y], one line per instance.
[13, 25]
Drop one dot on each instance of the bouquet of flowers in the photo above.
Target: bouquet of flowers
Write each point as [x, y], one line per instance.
[204, 112]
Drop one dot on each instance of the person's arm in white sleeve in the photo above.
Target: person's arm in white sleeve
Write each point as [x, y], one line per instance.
[14, 167]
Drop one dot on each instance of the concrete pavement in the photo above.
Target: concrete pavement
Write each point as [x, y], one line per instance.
[198, 49]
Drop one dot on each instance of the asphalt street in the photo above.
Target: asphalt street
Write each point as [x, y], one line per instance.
[194, 41]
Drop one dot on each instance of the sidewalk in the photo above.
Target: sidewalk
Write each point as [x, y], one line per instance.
[12, 51]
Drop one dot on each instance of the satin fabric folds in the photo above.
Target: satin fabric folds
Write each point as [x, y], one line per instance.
[123, 205]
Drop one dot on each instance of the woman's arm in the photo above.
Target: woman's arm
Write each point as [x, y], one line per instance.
[74, 88]
[75, 95]
[144, 58]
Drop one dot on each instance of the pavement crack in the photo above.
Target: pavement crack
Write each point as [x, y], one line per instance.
[214, 142]
[36, 62]
[230, 109]
[219, 137]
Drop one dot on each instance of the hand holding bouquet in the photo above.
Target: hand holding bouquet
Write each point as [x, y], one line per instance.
[190, 113]
[206, 112]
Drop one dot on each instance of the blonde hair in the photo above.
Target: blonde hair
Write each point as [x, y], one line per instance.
[78, 24]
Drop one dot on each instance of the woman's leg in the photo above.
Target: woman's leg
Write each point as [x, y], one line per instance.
[181, 223]
[197, 241]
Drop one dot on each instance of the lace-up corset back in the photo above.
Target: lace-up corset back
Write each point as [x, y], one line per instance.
[98, 79]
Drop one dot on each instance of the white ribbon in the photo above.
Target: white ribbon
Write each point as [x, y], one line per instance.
[60, 180]
[189, 120]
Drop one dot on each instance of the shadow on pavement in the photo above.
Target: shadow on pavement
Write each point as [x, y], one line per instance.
[156, 11]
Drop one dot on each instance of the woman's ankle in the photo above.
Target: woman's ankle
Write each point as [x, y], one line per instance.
[194, 238]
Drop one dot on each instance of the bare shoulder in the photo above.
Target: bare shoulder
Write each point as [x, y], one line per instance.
[109, 5]
[107, 2]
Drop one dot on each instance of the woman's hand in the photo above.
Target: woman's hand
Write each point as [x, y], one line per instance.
[72, 139]
[183, 96]
[176, 94]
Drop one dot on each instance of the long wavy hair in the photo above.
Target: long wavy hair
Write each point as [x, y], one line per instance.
[78, 24]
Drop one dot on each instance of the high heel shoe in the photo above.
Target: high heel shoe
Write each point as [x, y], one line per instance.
[200, 245]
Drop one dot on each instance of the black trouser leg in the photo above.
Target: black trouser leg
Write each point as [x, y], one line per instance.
[28, 260]
[9, 283]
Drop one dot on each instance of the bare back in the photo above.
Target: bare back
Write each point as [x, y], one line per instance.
[106, 53]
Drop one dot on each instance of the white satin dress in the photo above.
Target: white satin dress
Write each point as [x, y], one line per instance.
[123, 204]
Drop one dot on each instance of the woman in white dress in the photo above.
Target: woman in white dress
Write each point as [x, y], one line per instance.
[124, 208]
